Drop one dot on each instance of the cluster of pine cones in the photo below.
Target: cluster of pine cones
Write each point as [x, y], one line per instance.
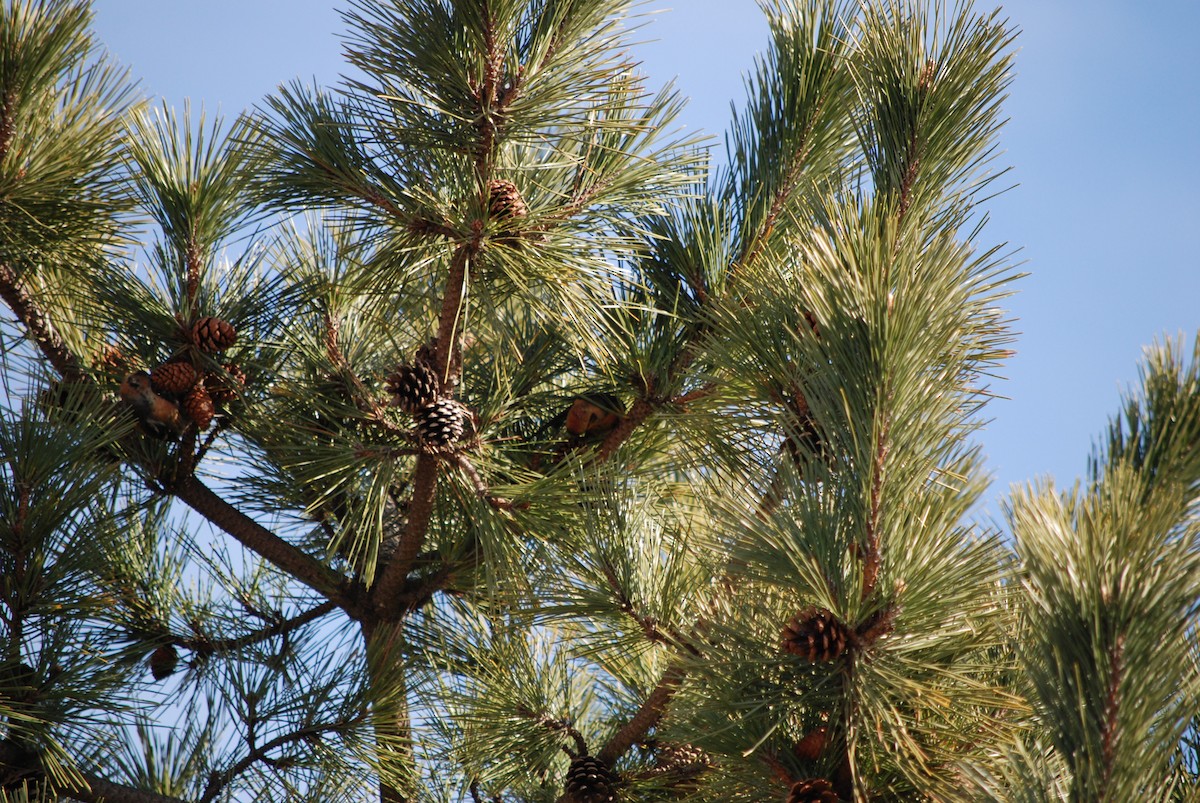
[416, 388]
[197, 391]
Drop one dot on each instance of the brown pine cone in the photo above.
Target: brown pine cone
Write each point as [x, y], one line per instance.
[812, 790]
[225, 388]
[812, 745]
[589, 780]
[174, 377]
[213, 334]
[441, 423]
[504, 200]
[816, 635]
[163, 661]
[413, 386]
[198, 406]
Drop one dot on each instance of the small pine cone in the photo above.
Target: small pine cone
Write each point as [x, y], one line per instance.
[175, 377]
[877, 625]
[440, 423]
[812, 790]
[504, 200]
[816, 635]
[111, 360]
[198, 406]
[673, 756]
[163, 661]
[413, 386]
[589, 780]
[812, 745]
[225, 388]
[213, 334]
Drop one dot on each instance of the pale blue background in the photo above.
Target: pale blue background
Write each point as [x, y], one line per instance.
[1103, 141]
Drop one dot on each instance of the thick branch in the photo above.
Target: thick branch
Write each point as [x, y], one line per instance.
[19, 763]
[448, 367]
[264, 543]
[37, 325]
[637, 414]
[103, 791]
[647, 716]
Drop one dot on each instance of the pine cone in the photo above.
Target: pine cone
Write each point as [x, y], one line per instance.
[816, 635]
[225, 388]
[175, 377]
[589, 780]
[111, 360]
[671, 756]
[812, 790]
[440, 423]
[198, 406]
[812, 745]
[504, 200]
[163, 661]
[413, 386]
[213, 334]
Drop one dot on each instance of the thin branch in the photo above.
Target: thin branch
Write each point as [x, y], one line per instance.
[783, 193]
[559, 726]
[871, 556]
[204, 646]
[481, 488]
[219, 781]
[264, 543]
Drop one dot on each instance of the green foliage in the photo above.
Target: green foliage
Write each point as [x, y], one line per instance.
[711, 518]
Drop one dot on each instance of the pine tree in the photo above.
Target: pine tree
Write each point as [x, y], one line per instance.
[460, 433]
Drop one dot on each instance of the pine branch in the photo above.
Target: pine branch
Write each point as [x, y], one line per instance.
[100, 790]
[37, 324]
[651, 711]
[448, 365]
[219, 781]
[784, 192]
[206, 646]
[18, 762]
[1109, 726]
[871, 557]
[481, 488]
[264, 543]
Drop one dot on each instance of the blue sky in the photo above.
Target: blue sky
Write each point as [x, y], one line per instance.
[1102, 140]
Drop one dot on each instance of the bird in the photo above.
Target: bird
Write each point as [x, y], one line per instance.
[592, 417]
[158, 416]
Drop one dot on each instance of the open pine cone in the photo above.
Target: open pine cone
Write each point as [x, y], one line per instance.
[589, 780]
[198, 406]
[504, 200]
[812, 790]
[213, 334]
[440, 423]
[413, 386]
[816, 635]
